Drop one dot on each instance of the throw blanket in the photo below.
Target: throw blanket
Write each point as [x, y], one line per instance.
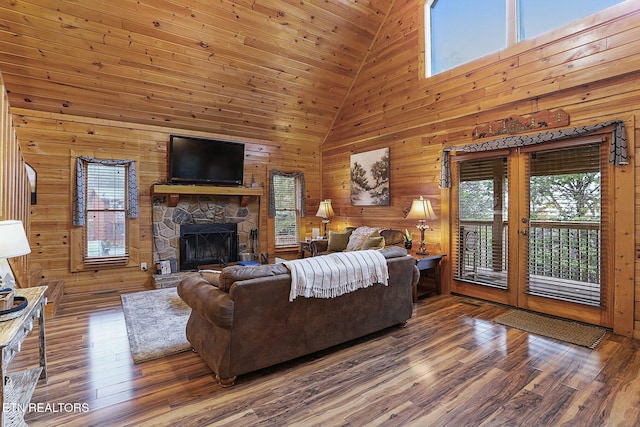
[332, 275]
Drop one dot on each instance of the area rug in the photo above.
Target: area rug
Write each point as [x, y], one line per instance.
[156, 322]
[560, 329]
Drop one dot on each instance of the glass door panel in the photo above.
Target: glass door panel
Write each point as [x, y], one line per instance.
[566, 234]
[564, 230]
[482, 244]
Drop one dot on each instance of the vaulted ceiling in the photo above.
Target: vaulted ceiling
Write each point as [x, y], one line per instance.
[269, 69]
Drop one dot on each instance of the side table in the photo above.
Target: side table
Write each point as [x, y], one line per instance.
[304, 247]
[428, 263]
[17, 388]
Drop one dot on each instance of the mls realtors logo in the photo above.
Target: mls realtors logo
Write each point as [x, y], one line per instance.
[46, 407]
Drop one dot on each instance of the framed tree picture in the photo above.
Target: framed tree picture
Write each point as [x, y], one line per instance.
[370, 178]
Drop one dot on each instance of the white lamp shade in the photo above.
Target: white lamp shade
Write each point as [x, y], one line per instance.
[325, 210]
[421, 209]
[13, 240]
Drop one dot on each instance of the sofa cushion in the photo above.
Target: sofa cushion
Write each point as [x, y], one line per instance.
[211, 276]
[338, 241]
[373, 242]
[237, 273]
[393, 251]
[359, 235]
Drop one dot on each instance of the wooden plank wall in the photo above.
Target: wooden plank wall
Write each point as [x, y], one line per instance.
[14, 184]
[589, 69]
[48, 141]
[257, 69]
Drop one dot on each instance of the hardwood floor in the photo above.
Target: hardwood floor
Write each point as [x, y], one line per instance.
[451, 366]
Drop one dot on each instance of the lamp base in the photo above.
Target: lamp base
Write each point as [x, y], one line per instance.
[422, 249]
[325, 222]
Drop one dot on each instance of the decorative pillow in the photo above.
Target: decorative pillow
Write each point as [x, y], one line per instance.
[338, 241]
[392, 237]
[373, 243]
[359, 235]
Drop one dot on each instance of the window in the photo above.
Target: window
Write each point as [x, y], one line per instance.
[459, 31]
[286, 218]
[105, 199]
[286, 206]
[105, 234]
[534, 17]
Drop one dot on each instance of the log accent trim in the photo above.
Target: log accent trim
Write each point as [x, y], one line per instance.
[517, 124]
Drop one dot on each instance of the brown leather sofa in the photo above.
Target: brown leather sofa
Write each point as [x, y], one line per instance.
[391, 238]
[248, 322]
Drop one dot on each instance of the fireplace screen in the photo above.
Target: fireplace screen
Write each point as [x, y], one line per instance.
[203, 244]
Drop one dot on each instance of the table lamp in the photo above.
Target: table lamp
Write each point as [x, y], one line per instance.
[13, 242]
[422, 210]
[325, 211]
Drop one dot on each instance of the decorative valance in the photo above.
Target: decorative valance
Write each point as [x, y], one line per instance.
[80, 198]
[300, 195]
[618, 151]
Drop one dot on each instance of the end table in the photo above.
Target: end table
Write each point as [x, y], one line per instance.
[428, 263]
[304, 247]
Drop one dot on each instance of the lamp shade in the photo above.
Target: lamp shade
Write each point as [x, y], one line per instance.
[13, 240]
[325, 210]
[421, 209]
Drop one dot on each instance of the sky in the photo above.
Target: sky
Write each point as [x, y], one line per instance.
[467, 29]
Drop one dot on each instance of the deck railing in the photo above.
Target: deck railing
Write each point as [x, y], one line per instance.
[561, 255]
[565, 250]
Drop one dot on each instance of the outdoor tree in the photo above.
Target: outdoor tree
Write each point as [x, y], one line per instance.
[568, 197]
[476, 200]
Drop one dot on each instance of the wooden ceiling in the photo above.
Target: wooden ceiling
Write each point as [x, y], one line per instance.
[275, 70]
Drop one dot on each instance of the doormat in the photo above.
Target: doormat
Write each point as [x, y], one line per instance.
[156, 322]
[560, 329]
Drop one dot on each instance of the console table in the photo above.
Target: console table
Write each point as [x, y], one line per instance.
[428, 263]
[16, 388]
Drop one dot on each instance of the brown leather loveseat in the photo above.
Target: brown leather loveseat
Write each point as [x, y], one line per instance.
[341, 241]
[248, 322]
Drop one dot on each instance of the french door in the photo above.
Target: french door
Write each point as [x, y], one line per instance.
[532, 228]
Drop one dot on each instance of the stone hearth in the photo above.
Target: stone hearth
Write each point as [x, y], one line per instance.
[198, 209]
[161, 281]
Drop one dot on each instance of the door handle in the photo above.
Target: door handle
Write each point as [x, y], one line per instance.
[524, 232]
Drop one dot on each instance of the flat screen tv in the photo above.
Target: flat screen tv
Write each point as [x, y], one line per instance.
[205, 161]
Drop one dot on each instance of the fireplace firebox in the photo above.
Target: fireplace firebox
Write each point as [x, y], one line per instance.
[202, 244]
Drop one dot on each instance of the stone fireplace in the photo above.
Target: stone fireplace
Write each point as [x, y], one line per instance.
[232, 220]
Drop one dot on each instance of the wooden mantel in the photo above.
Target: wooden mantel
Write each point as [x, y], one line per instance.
[175, 190]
